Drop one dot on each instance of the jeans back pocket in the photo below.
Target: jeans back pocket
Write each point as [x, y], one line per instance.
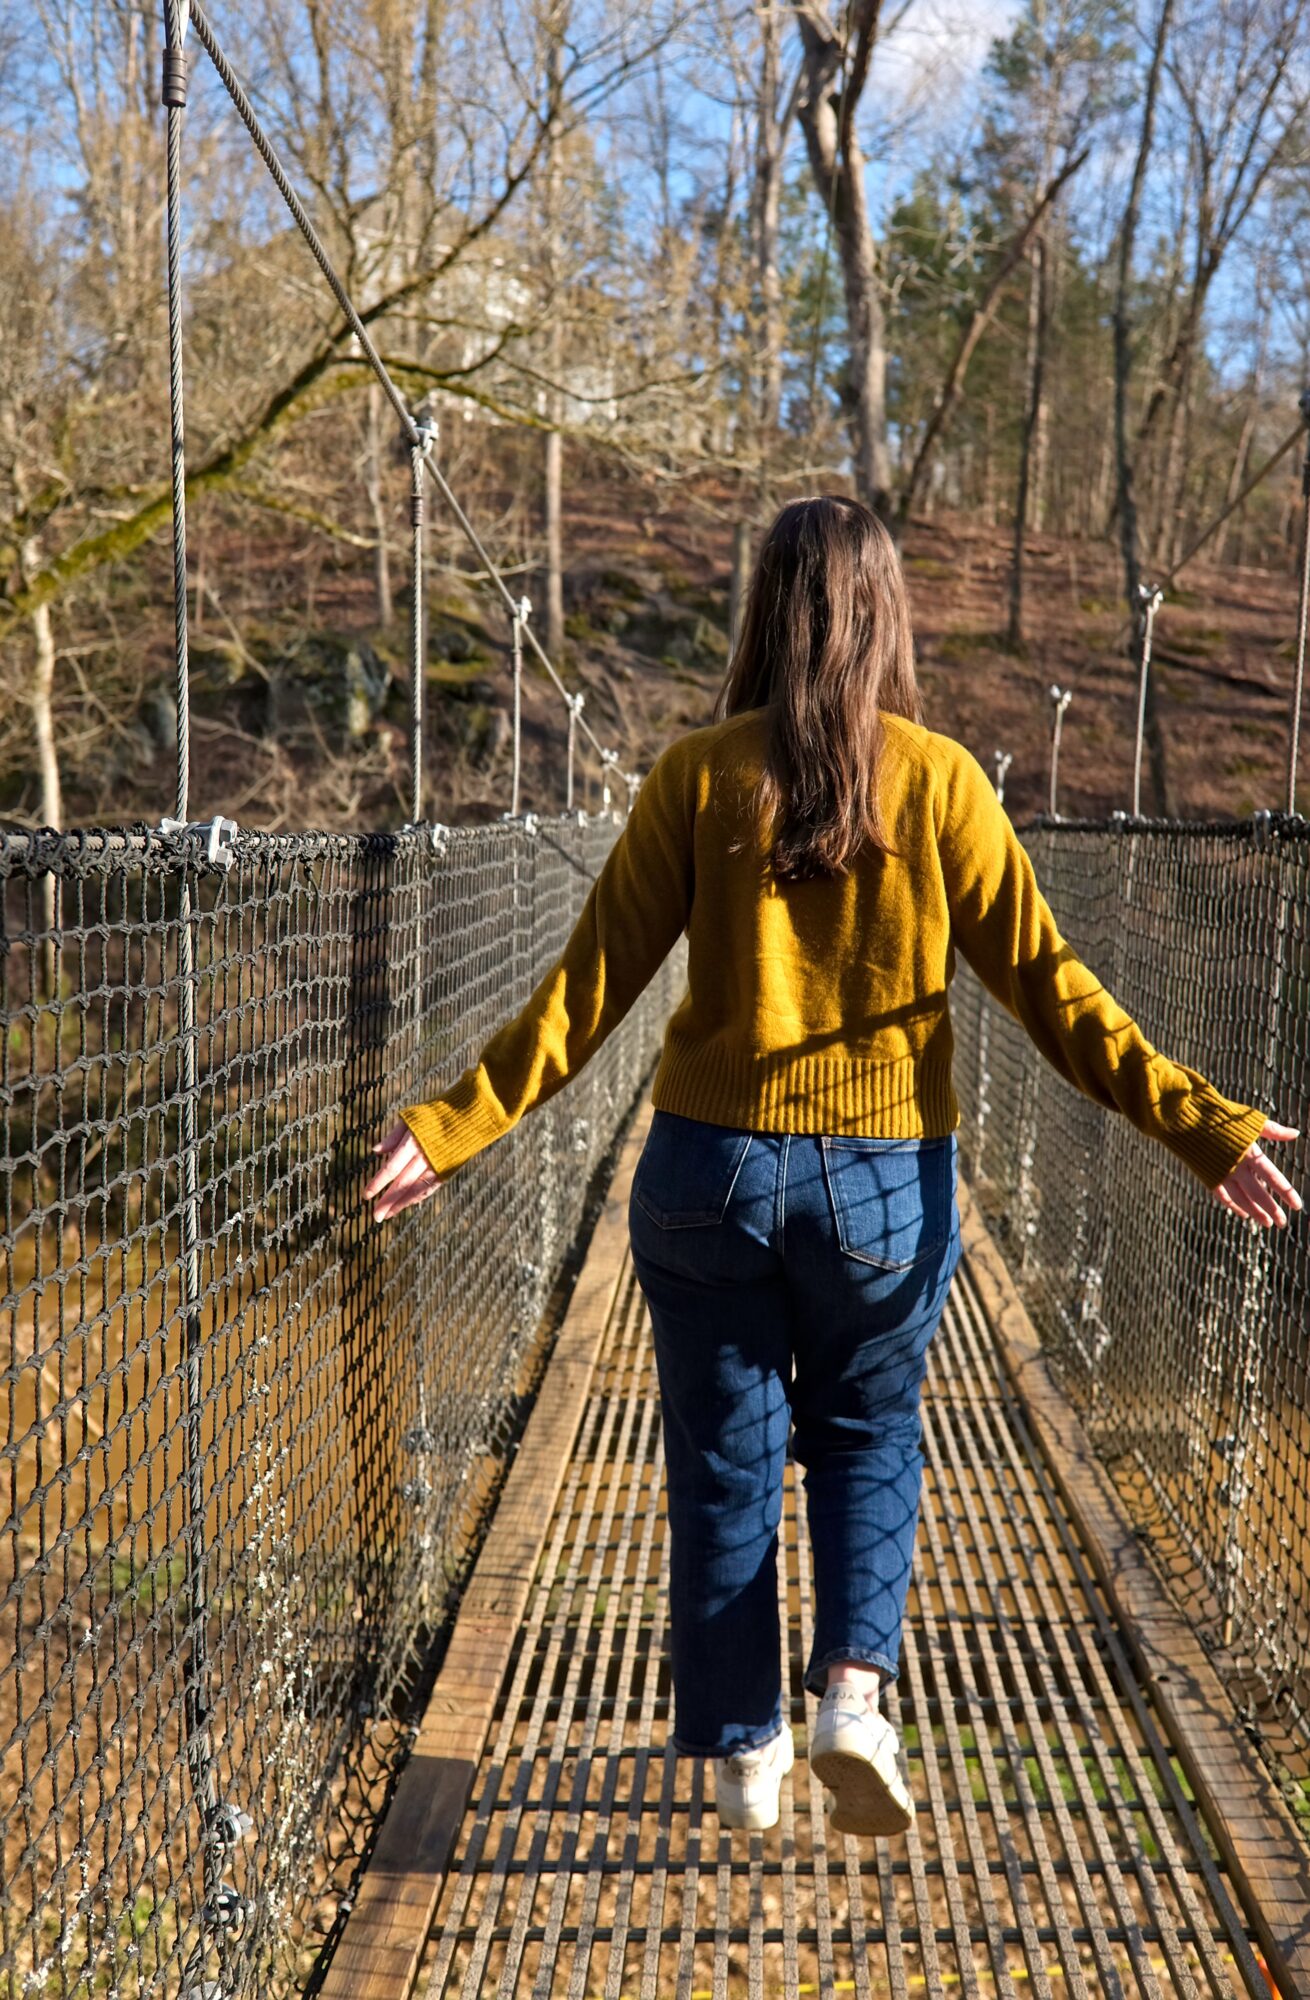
[892, 1200]
[687, 1170]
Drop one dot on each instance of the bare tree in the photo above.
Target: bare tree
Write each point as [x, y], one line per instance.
[836, 67]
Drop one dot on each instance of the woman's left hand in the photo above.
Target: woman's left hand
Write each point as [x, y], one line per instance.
[404, 1176]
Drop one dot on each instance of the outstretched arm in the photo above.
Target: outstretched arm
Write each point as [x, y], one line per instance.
[635, 912]
[1007, 932]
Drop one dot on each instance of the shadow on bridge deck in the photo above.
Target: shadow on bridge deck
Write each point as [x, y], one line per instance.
[1058, 1846]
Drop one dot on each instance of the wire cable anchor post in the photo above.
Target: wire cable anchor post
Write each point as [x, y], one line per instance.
[1061, 697]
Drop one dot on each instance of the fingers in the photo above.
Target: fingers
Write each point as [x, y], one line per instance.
[1276, 1182]
[393, 1202]
[412, 1182]
[1274, 1131]
[1253, 1189]
[398, 1149]
[1261, 1203]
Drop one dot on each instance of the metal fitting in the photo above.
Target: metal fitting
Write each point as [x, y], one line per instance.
[227, 1909]
[226, 1826]
[218, 842]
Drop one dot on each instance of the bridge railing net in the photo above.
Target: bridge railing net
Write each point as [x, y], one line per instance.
[1181, 1332]
[231, 1519]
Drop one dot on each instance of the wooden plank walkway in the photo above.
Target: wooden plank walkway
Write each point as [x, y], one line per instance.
[1070, 1754]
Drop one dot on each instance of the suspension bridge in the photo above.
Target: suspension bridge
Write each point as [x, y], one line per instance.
[333, 1559]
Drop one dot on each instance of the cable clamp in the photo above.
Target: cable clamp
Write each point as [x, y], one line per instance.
[173, 81]
[226, 1826]
[227, 1909]
[218, 843]
[426, 430]
[523, 610]
[1150, 596]
[575, 702]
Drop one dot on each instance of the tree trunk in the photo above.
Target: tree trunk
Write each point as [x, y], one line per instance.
[837, 165]
[43, 681]
[768, 199]
[554, 542]
[1028, 441]
[554, 481]
[1047, 273]
[1242, 456]
[52, 809]
[741, 569]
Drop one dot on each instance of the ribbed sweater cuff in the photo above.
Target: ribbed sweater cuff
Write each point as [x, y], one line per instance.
[453, 1127]
[1211, 1134]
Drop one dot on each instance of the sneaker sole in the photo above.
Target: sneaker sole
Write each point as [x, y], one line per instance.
[864, 1800]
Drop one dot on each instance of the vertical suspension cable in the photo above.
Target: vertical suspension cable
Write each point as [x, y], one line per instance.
[575, 709]
[1150, 597]
[417, 635]
[518, 621]
[1061, 697]
[217, 1902]
[1303, 612]
[173, 94]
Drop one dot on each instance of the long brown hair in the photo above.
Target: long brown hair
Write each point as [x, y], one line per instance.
[825, 643]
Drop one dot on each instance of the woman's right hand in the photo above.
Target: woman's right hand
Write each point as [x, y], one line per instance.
[1255, 1182]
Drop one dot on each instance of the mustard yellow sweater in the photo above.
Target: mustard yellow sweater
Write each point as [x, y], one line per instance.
[821, 1006]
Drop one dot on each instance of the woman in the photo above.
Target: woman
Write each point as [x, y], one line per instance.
[793, 1215]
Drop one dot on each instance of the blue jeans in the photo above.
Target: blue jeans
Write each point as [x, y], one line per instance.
[790, 1281]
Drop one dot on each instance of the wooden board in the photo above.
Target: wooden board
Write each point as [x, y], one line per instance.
[379, 1952]
[1248, 1816]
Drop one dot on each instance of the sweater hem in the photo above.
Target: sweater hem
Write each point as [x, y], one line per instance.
[806, 1094]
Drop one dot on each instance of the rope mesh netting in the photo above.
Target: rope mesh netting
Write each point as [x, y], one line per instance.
[235, 1504]
[1180, 1332]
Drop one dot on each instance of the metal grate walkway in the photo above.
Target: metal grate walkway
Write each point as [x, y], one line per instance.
[1056, 1850]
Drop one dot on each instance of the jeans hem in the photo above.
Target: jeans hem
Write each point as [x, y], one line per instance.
[816, 1674]
[754, 1739]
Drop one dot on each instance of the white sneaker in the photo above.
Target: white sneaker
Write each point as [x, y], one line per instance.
[746, 1785]
[853, 1751]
